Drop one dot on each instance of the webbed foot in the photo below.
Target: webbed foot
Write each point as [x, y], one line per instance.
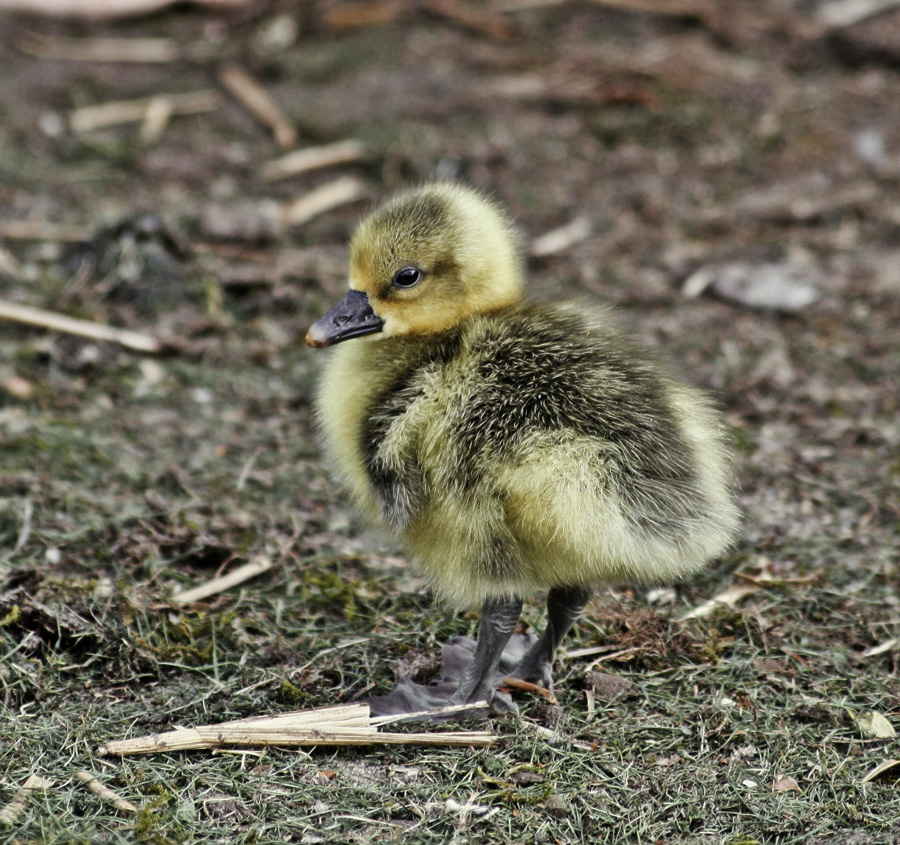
[457, 655]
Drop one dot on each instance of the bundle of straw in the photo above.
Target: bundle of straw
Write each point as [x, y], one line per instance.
[345, 724]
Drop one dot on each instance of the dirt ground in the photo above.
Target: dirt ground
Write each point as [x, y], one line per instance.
[725, 174]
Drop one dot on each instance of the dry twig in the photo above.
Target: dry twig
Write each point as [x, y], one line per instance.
[329, 196]
[590, 651]
[12, 812]
[38, 230]
[104, 792]
[132, 50]
[313, 158]
[224, 582]
[364, 13]
[81, 328]
[89, 118]
[9, 266]
[620, 655]
[156, 119]
[250, 94]
[527, 686]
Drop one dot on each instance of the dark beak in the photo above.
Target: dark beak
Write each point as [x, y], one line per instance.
[351, 317]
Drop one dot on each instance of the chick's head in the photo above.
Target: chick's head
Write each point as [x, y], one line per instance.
[424, 261]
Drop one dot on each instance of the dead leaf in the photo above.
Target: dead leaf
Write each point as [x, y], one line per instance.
[727, 598]
[891, 765]
[17, 387]
[782, 286]
[842, 13]
[561, 239]
[875, 725]
[888, 645]
[785, 783]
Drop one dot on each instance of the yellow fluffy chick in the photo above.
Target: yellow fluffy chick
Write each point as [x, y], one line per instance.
[513, 447]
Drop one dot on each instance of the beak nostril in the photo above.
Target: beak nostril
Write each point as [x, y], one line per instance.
[351, 317]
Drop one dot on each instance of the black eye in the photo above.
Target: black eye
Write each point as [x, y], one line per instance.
[407, 277]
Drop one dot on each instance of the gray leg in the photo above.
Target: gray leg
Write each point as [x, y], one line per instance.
[564, 606]
[469, 669]
[498, 620]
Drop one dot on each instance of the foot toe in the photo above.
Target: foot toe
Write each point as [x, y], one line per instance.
[502, 704]
[539, 673]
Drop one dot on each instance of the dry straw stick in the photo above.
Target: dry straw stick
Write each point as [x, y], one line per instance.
[313, 158]
[527, 686]
[9, 266]
[156, 119]
[331, 195]
[259, 103]
[12, 812]
[224, 582]
[82, 328]
[104, 792]
[134, 50]
[39, 230]
[345, 724]
[88, 118]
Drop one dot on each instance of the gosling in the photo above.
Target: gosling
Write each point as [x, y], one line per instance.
[512, 447]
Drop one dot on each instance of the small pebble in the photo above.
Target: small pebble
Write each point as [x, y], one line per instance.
[556, 806]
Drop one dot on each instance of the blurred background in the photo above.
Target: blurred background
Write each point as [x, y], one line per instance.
[180, 181]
